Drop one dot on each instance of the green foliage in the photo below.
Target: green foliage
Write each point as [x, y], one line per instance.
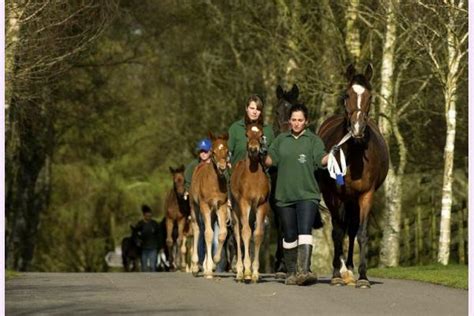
[452, 275]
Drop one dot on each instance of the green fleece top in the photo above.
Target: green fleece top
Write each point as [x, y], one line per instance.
[238, 140]
[296, 159]
[188, 173]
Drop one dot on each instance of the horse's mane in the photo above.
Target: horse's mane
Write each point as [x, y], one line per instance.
[361, 80]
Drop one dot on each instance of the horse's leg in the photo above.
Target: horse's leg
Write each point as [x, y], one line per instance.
[196, 232]
[208, 234]
[352, 221]
[246, 234]
[222, 220]
[365, 203]
[258, 238]
[239, 266]
[337, 237]
[169, 241]
[181, 262]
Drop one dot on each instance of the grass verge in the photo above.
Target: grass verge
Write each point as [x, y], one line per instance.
[452, 275]
[9, 274]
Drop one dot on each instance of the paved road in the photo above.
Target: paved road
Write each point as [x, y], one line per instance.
[182, 294]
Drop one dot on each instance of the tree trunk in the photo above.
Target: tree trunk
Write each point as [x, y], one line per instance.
[454, 56]
[352, 33]
[390, 249]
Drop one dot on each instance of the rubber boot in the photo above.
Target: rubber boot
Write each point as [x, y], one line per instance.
[304, 276]
[290, 262]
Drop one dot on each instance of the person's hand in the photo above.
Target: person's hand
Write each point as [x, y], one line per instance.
[335, 149]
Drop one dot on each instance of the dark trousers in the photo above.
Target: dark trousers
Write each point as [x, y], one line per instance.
[149, 256]
[297, 219]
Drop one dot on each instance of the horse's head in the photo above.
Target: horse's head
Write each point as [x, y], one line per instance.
[220, 151]
[285, 100]
[254, 133]
[178, 179]
[357, 100]
[135, 236]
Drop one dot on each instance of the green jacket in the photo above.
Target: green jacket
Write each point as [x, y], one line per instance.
[188, 173]
[296, 159]
[238, 140]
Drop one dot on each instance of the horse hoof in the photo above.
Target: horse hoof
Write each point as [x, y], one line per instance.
[363, 284]
[208, 276]
[337, 282]
[195, 273]
[280, 275]
[255, 278]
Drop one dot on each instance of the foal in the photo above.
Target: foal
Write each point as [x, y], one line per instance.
[208, 195]
[250, 189]
[177, 211]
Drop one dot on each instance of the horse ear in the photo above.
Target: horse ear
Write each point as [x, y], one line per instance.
[132, 227]
[295, 92]
[171, 169]
[350, 72]
[211, 136]
[279, 92]
[368, 72]
[225, 136]
[181, 168]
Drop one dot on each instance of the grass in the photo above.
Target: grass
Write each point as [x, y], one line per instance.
[453, 275]
[9, 274]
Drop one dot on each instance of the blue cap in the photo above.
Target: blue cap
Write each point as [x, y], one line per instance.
[204, 144]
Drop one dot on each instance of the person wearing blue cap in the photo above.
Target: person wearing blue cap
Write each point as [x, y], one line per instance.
[203, 147]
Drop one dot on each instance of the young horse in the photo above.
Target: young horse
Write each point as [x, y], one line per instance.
[367, 167]
[285, 99]
[208, 194]
[177, 211]
[131, 250]
[250, 189]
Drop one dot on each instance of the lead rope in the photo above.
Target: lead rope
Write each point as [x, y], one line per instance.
[334, 170]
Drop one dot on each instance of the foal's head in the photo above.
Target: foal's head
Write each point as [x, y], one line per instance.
[357, 100]
[220, 151]
[178, 179]
[254, 133]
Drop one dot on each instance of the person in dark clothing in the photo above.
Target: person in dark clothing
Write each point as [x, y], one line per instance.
[148, 232]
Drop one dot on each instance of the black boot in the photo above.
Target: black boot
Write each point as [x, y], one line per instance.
[290, 262]
[304, 276]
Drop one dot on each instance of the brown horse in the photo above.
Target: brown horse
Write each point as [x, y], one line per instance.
[177, 212]
[367, 167]
[208, 194]
[250, 189]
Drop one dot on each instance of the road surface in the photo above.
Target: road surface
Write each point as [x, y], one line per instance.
[182, 294]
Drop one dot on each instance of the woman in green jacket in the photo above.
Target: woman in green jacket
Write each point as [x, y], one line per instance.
[297, 154]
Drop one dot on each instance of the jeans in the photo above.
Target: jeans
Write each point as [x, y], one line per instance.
[149, 255]
[297, 219]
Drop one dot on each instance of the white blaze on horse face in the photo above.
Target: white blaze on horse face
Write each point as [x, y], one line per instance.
[357, 125]
[359, 90]
[220, 146]
[255, 129]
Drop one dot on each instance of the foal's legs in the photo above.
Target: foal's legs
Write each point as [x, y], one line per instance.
[222, 220]
[258, 238]
[169, 241]
[239, 265]
[246, 234]
[337, 237]
[181, 263]
[196, 232]
[208, 233]
[352, 224]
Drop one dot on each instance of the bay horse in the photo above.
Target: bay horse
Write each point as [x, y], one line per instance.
[131, 250]
[285, 100]
[367, 166]
[250, 189]
[177, 211]
[208, 194]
